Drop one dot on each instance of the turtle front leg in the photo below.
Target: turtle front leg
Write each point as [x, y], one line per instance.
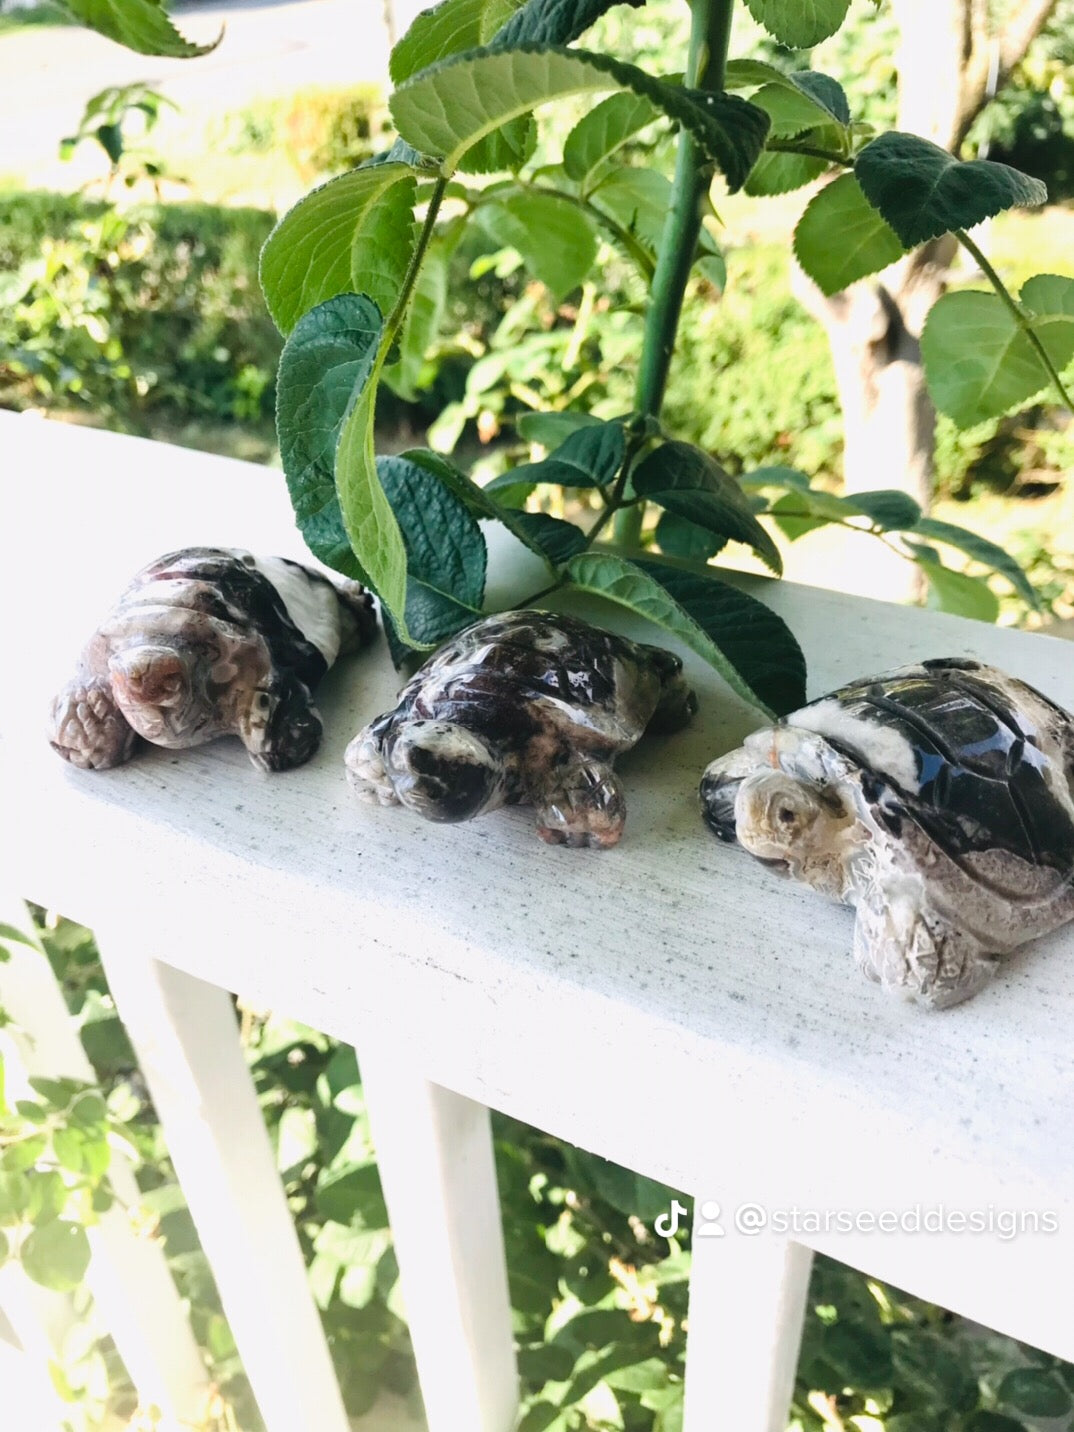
[87, 728]
[909, 949]
[580, 804]
[366, 772]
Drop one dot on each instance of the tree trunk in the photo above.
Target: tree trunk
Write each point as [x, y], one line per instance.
[945, 58]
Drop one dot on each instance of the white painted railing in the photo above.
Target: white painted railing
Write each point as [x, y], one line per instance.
[668, 1004]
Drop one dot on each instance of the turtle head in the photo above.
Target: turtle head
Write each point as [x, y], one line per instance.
[777, 799]
[444, 772]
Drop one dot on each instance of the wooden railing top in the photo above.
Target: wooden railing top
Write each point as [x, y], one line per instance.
[669, 1003]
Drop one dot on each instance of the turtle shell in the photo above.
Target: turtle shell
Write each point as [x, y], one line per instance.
[979, 761]
[507, 675]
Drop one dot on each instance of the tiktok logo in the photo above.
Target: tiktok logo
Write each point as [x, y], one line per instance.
[708, 1224]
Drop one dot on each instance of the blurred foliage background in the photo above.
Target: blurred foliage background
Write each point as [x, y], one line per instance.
[130, 300]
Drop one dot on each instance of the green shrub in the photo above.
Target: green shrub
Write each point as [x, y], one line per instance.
[151, 313]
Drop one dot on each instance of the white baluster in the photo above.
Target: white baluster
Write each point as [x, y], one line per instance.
[185, 1035]
[747, 1303]
[434, 1152]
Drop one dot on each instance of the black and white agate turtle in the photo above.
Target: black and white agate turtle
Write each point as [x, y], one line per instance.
[938, 800]
[525, 707]
[211, 642]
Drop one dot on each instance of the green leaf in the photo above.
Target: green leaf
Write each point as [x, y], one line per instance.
[785, 477]
[679, 537]
[48, 1197]
[58, 1092]
[445, 551]
[1033, 1392]
[556, 239]
[141, 25]
[979, 361]
[368, 518]
[747, 644]
[841, 238]
[326, 362]
[992, 1422]
[14, 1197]
[589, 457]
[791, 109]
[354, 234]
[782, 173]
[923, 192]
[508, 147]
[450, 107]
[475, 498]
[601, 133]
[955, 592]
[354, 1195]
[56, 1255]
[20, 937]
[559, 540]
[17, 1158]
[447, 29]
[550, 429]
[628, 1192]
[67, 1145]
[934, 1369]
[981, 550]
[826, 92]
[638, 199]
[545, 1362]
[687, 481]
[800, 24]
[5, 1247]
[890, 509]
[554, 22]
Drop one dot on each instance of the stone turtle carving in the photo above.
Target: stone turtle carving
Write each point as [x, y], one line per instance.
[525, 707]
[938, 800]
[209, 642]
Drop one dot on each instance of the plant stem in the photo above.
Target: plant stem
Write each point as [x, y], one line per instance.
[394, 321]
[706, 61]
[808, 151]
[1018, 313]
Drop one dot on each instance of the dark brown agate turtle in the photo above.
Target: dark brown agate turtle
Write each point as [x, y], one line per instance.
[937, 799]
[211, 642]
[526, 707]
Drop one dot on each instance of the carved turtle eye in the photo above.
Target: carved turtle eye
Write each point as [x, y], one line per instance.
[786, 815]
[263, 703]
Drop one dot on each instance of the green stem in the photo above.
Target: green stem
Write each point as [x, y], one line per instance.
[622, 235]
[809, 151]
[1017, 312]
[706, 61]
[395, 319]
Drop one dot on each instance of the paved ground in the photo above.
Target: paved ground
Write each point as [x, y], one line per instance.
[269, 47]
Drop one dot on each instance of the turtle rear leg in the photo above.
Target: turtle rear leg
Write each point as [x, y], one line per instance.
[87, 728]
[580, 804]
[916, 953]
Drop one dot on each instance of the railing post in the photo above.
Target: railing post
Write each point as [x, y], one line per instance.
[747, 1305]
[185, 1036]
[434, 1153]
[128, 1275]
